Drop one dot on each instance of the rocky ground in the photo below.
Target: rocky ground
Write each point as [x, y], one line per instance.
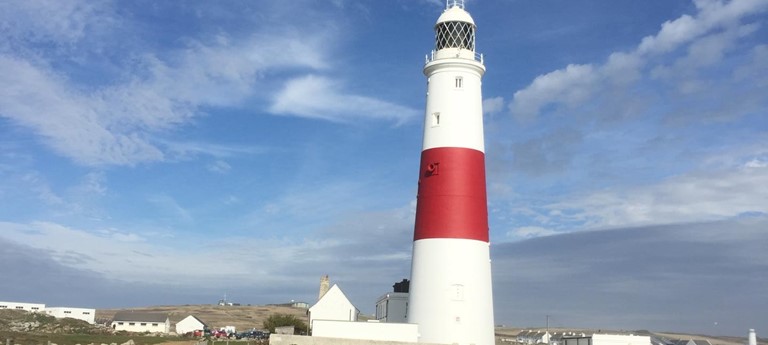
[20, 321]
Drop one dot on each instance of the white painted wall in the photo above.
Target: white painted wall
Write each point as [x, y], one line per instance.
[392, 307]
[188, 324]
[404, 332]
[32, 307]
[333, 306]
[85, 314]
[450, 294]
[616, 339]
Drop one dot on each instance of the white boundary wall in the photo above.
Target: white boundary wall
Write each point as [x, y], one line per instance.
[616, 339]
[380, 331]
[284, 339]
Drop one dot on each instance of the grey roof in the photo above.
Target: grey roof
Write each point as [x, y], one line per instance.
[198, 320]
[139, 316]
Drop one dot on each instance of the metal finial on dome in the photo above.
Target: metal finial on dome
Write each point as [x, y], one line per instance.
[454, 3]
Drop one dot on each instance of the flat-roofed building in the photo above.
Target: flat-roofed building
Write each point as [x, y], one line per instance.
[141, 322]
[31, 307]
[85, 314]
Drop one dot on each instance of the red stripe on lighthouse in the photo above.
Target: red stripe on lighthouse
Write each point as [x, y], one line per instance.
[451, 202]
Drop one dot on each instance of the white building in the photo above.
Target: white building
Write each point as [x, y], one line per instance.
[392, 307]
[606, 339]
[141, 322]
[531, 337]
[189, 324]
[335, 306]
[31, 307]
[85, 314]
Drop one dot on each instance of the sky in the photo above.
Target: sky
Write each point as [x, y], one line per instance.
[174, 152]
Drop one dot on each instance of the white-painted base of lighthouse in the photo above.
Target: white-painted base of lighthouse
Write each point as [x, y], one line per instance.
[452, 299]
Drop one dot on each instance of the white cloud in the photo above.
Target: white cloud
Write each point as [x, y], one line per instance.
[168, 204]
[493, 105]
[220, 167]
[712, 14]
[576, 84]
[119, 123]
[60, 22]
[571, 85]
[530, 232]
[687, 198]
[319, 97]
[68, 121]
[756, 163]
[37, 185]
[148, 257]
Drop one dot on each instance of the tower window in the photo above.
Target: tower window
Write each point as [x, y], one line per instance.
[459, 82]
[436, 119]
[455, 35]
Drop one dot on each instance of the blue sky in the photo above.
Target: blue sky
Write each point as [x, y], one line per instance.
[172, 152]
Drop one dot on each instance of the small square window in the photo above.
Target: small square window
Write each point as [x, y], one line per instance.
[154, 324]
[143, 323]
[436, 119]
[131, 324]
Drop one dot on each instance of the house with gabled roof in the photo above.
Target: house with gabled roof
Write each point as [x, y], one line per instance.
[693, 342]
[334, 306]
[190, 324]
[141, 322]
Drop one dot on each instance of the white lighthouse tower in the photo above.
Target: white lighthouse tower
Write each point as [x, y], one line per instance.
[450, 290]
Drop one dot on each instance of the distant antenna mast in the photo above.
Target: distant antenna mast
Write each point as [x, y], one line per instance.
[454, 3]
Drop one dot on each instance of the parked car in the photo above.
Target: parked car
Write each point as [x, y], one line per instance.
[252, 334]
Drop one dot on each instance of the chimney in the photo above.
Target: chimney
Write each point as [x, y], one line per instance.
[325, 284]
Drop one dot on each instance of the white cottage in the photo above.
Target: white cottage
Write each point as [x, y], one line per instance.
[141, 322]
[189, 324]
[334, 305]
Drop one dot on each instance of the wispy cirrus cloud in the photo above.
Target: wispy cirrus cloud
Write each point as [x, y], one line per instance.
[320, 97]
[122, 121]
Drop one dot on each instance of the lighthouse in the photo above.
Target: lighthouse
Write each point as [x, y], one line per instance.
[450, 291]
